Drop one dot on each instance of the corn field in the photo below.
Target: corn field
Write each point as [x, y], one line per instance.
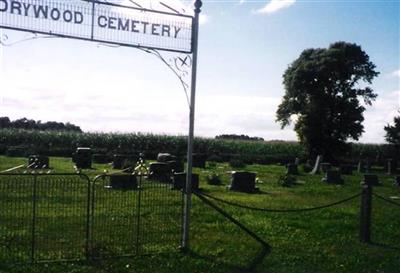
[16, 142]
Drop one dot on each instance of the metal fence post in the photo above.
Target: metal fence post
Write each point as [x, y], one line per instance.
[188, 192]
[365, 213]
[138, 215]
[88, 224]
[34, 199]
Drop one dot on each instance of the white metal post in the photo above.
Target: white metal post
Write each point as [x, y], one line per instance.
[188, 191]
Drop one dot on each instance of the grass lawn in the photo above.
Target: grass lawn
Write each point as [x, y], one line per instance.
[311, 242]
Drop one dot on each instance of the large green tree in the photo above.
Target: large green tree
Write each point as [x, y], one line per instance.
[323, 88]
[393, 133]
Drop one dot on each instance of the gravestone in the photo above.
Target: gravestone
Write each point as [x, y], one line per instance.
[371, 179]
[121, 161]
[292, 169]
[160, 171]
[397, 181]
[176, 166]
[360, 166]
[123, 182]
[199, 160]
[16, 151]
[346, 169]
[307, 166]
[325, 167]
[179, 181]
[165, 157]
[243, 182]
[368, 166]
[38, 162]
[83, 158]
[391, 167]
[297, 161]
[332, 177]
[100, 158]
[317, 165]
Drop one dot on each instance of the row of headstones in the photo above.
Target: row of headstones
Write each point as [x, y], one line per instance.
[168, 169]
[130, 182]
[334, 176]
[362, 167]
[83, 159]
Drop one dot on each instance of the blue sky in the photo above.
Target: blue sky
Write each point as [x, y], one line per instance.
[244, 48]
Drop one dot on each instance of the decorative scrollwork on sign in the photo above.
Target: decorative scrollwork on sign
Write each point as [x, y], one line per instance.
[180, 65]
[183, 63]
[4, 39]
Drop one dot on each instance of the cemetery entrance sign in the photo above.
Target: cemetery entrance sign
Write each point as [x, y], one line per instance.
[100, 22]
[111, 23]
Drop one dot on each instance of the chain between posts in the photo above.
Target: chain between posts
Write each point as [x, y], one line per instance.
[280, 210]
[385, 199]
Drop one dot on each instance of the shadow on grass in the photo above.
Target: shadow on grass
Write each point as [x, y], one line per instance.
[384, 246]
[223, 186]
[250, 268]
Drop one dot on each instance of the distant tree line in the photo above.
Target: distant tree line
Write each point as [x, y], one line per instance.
[239, 137]
[30, 124]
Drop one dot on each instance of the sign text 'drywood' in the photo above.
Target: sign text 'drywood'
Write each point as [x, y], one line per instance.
[99, 21]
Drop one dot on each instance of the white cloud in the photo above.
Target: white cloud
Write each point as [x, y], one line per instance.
[204, 18]
[395, 73]
[275, 5]
[382, 112]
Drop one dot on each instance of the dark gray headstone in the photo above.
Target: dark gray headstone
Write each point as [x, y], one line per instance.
[83, 158]
[371, 179]
[243, 182]
[389, 166]
[160, 171]
[332, 177]
[121, 161]
[199, 160]
[176, 166]
[179, 181]
[292, 169]
[397, 181]
[360, 167]
[100, 158]
[368, 166]
[123, 182]
[325, 167]
[307, 167]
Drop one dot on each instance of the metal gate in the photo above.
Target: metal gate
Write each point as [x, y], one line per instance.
[135, 221]
[58, 217]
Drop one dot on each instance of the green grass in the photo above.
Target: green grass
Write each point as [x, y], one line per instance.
[310, 242]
